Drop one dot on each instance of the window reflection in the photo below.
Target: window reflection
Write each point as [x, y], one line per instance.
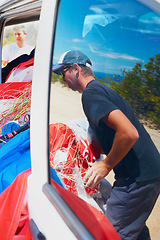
[123, 43]
[90, 20]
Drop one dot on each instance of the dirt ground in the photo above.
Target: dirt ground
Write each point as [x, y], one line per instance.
[65, 106]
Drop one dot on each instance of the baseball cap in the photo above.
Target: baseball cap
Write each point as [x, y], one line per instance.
[70, 57]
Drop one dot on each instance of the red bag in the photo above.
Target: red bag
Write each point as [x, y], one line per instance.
[14, 220]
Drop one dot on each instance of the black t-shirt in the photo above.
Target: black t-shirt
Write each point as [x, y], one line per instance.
[143, 160]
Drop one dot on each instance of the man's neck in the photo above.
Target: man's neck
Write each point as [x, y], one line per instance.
[86, 81]
[20, 44]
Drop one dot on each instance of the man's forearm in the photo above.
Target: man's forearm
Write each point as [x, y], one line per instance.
[122, 144]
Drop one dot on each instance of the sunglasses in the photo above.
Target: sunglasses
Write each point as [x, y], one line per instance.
[62, 72]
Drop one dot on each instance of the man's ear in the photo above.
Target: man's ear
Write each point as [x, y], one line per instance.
[76, 66]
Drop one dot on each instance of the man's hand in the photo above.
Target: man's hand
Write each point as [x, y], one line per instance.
[96, 173]
[125, 137]
[4, 63]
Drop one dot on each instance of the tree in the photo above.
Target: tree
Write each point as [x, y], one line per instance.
[140, 87]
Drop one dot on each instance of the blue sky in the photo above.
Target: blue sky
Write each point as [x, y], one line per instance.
[111, 41]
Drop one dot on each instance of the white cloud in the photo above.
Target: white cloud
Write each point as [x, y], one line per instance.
[77, 40]
[123, 56]
[115, 55]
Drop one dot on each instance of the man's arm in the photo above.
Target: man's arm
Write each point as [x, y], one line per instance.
[125, 137]
[5, 55]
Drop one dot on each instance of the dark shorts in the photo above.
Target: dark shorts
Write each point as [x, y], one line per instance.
[129, 206]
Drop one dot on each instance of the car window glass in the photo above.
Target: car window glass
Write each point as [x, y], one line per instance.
[122, 40]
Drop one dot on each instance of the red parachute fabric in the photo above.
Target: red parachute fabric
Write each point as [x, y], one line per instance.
[22, 66]
[79, 153]
[95, 221]
[15, 100]
[61, 137]
[13, 90]
[14, 220]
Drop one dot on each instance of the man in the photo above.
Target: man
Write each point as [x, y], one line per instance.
[129, 149]
[18, 48]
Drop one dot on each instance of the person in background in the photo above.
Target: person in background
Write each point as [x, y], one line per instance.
[129, 150]
[18, 48]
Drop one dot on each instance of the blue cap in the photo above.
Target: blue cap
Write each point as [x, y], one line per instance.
[70, 57]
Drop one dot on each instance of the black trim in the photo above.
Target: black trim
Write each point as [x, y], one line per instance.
[36, 234]
[15, 132]
[49, 88]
